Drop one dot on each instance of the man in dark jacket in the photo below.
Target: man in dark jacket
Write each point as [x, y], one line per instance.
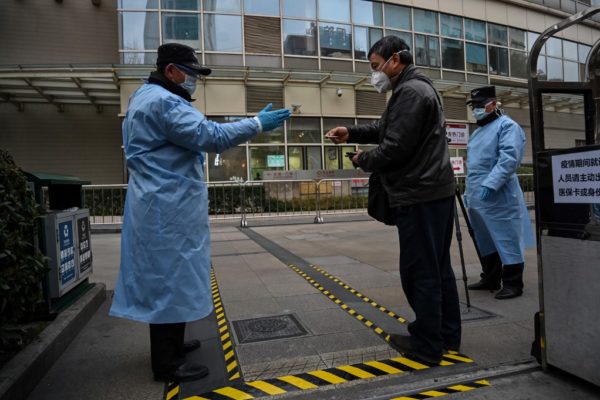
[413, 162]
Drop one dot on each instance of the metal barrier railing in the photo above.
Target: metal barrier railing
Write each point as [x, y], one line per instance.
[253, 200]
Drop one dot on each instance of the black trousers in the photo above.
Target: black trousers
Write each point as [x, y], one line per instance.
[425, 232]
[166, 347]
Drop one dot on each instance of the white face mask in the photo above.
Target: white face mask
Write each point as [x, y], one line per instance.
[189, 84]
[379, 79]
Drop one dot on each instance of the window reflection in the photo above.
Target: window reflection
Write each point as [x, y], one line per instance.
[222, 33]
[364, 38]
[138, 4]
[555, 70]
[335, 40]
[475, 30]
[518, 64]
[332, 157]
[476, 58]
[427, 51]
[452, 54]
[229, 165]
[498, 61]
[397, 17]
[571, 70]
[367, 12]
[497, 35]
[426, 21]
[300, 37]
[300, 8]
[570, 50]
[140, 30]
[226, 6]
[335, 10]
[181, 28]
[451, 26]
[304, 130]
[181, 4]
[262, 7]
[266, 158]
[517, 39]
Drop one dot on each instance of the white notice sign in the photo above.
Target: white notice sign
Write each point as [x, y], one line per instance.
[576, 177]
[458, 165]
[458, 134]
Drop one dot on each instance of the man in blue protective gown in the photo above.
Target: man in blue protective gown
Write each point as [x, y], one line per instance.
[164, 278]
[494, 198]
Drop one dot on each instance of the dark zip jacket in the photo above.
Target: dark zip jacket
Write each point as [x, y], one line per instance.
[412, 157]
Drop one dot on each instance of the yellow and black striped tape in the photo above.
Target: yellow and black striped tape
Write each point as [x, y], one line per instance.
[312, 379]
[452, 355]
[467, 387]
[231, 363]
[171, 391]
[360, 295]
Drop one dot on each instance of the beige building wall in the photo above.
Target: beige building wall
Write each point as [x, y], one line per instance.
[78, 141]
[52, 32]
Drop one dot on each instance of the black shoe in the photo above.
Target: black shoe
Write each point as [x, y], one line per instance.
[191, 345]
[508, 292]
[402, 344]
[484, 285]
[184, 373]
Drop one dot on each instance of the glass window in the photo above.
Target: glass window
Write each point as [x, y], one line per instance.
[295, 158]
[300, 37]
[300, 8]
[138, 4]
[335, 40]
[335, 10]
[228, 165]
[451, 26]
[426, 21]
[181, 28]
[313, 157]
[476, 58]
[474, 30]
[330, 123]
[226, 6]
[570, 50]
[583, 53]
[427, 51]
[531, 38]
[406, 36]
[274, 136]
[541, 68]
[497, 34]
[332, 159]
[433, 51]
[304, 130]
[420, 52]
[263, 7]
[181, 4]
[366, 12]
[397, 17]
[139, 58]
[346, 162]
[498, 61]
[571, 71]
[517, 39]
[554, 47]
[555, 69]
[518, 64]
[140, 30]
[364, 38]
[453, 54]
[266, 158]
[222, 33]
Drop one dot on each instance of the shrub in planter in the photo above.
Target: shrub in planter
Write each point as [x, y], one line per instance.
[22, 267]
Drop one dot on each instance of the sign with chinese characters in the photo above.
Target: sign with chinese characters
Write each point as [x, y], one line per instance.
[576, 177]
[314, 174]
[275, 160]
[458, 165]
[67, 252]
[85, 251]
[457, 134]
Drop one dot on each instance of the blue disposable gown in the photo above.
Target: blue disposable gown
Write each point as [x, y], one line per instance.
[502, 222]
[165, 243]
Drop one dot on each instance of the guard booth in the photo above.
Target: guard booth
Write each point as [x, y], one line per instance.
[567, 200]
[64, 235]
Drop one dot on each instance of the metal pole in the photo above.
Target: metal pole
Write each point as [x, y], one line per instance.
[469, 227]
[462, 256]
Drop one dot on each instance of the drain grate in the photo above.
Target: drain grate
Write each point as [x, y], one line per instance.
[268, 328]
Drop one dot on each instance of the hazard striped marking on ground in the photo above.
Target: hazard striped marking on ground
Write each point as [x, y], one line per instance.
[358, 294]
[231, 363]
[466, 387]
[171, 391]
[314, 379]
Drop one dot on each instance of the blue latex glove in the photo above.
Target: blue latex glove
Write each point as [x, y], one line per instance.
[486, 193]
[272, 119]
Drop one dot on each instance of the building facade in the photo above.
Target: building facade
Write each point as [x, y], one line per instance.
[68, 69]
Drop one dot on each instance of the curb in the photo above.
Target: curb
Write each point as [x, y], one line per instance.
[22, 373]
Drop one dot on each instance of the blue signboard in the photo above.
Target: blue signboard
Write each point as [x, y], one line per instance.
[67, 252]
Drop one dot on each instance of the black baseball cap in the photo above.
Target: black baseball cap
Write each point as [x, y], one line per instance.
[181, 54]
[482, 94]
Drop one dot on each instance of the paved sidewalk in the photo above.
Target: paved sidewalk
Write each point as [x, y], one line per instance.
[110, 357]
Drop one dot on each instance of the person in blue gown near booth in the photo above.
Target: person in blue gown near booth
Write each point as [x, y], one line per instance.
[494, 198]
[164, 279]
